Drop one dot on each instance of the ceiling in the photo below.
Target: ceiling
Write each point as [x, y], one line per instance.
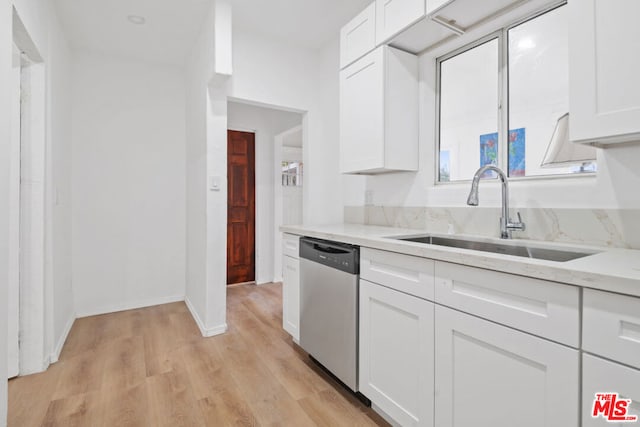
[305, 23]
[172, 26]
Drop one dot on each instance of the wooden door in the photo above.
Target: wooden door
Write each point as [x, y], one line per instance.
[241, 207]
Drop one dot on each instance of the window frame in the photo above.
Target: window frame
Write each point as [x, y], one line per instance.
[502, 35]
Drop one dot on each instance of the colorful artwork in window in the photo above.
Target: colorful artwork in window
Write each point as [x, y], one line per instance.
[489, 152]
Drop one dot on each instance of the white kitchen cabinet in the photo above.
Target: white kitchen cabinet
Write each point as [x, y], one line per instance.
[291, 286]
[604, 89]
[405, 273]
[603, 376]
[393, 16]
[396, 353]
[433, 5]
[447, 19]
[546, 309]
[611, 329]
[358, 36]
[611, 326]
[379, 113]
[490, 375]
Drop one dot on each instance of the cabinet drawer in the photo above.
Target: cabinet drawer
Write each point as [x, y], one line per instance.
[405, 273]
[603, 376]
[611, 326]
[358, 36]
[291, 245]
[547, 309]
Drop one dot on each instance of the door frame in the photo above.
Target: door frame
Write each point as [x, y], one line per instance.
[257, 229]
[278, 197]
[36, 300]
[13, 309]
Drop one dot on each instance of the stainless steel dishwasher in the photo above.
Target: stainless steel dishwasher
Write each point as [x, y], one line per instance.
[329, 306]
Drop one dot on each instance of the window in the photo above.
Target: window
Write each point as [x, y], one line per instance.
[510, 86]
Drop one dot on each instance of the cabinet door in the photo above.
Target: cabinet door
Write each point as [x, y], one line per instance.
[358, 37]
[393, 16]
[603, 81]
[602, 376]
[291, 296]
[362, 114]
[396, 353]
[491, 375]
[433, 5]
[611, 326]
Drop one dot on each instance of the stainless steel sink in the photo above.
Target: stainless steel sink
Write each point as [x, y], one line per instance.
[516, 250]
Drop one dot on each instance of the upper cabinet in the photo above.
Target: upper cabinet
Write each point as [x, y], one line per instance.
[447, 19]
[358, 37]
[379, 113]
[604, 89]
[393, 16]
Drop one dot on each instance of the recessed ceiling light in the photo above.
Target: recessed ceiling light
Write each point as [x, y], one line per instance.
[136, 19]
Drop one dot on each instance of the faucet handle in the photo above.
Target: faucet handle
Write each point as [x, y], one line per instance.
[520, 226]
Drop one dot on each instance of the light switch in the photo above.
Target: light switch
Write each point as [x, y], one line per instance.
[214, 183]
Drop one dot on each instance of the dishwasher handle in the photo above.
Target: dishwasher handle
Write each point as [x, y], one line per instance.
[329, 249]
[340, 256]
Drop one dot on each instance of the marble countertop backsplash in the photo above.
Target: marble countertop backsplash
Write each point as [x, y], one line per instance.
[612, 228]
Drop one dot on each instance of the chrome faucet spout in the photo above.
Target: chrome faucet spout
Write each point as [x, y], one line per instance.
[506, 225]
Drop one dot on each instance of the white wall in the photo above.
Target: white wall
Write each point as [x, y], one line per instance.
[198, 69]
[60, 164]
[128, 184]
[271, 73]
[266, 123]
[6, 48]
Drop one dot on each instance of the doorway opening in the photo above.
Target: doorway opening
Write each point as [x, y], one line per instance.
[241, 212]
[267, 124]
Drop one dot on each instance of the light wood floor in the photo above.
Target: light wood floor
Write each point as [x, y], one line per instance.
[151, 367]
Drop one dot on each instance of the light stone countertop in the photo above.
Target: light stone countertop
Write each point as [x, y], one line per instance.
[609, 269]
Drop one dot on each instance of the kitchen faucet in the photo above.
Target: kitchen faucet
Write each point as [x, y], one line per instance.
[506, 226]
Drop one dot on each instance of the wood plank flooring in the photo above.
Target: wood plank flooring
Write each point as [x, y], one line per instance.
[151, 367]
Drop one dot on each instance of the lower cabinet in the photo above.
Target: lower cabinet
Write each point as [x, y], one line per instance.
[396, 353]
[488, 375]
[291, 296]
[603, 376]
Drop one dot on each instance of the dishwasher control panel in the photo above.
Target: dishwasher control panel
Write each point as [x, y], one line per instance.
[340, 256]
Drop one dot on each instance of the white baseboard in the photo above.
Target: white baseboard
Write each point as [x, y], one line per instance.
[129, 305]
[206, 332]
[55, 356]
